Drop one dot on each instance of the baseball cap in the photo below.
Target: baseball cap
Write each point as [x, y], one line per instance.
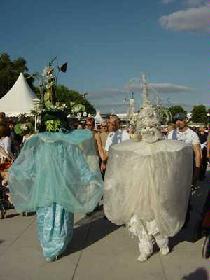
[180, 116]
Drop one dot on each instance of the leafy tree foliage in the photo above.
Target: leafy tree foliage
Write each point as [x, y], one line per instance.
[176, 109]
[199, 114]
[9, 72]
[71, 97]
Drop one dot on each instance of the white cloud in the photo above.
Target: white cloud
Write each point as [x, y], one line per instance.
[161, 87]
[116, 100]
[110, 100]
[191, 19]
[169, 88]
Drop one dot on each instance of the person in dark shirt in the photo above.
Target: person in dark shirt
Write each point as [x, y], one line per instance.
[203, 141]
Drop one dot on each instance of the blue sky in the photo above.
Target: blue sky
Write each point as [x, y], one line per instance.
[109, 44]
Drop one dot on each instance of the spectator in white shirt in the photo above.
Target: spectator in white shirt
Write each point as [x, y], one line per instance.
[187, 135]
[116, 135]
[5, 140]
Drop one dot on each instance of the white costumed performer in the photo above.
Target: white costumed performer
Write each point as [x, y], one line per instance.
[147, 184]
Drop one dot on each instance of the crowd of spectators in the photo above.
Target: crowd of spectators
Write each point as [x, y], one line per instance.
[107, 133]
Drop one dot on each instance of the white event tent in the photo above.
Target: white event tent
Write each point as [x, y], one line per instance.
[19, 99]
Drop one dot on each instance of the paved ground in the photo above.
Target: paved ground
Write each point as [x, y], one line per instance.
[99, 250]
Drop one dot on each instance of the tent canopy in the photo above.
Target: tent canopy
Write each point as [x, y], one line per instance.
[19, 99]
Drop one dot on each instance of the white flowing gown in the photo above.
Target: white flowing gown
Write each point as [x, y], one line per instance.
[150, 181]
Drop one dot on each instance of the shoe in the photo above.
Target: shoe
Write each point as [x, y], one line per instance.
[164, 251]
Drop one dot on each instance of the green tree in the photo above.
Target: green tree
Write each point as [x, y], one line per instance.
[71, 97]
[176, 109]
[199, 114]
[9, 72]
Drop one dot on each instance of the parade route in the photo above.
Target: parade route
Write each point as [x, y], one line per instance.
[99, 250]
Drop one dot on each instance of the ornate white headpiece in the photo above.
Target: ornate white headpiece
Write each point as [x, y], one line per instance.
[148, 123]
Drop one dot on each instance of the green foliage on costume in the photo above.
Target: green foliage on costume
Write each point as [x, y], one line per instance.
[48, 99]
[17, 129]
[53, 125]
[77, 108]
[23, 128]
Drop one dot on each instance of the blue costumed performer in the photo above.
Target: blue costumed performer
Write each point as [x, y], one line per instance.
[56, 174]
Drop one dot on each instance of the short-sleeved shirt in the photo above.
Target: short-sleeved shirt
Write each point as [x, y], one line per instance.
[189, 136]
[116, 138]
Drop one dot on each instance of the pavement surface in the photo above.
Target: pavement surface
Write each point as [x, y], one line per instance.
[99, 251]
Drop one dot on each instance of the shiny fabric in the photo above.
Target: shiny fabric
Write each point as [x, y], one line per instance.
[150, 181]
[55, 229]
[57, 168]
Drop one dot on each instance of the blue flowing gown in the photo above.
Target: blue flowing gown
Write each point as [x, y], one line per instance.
[56, 175]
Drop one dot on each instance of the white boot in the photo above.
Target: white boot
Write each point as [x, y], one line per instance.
[162, 243]
[164, 251]
[145, 247]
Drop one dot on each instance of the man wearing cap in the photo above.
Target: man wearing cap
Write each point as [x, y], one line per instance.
[187, 135]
